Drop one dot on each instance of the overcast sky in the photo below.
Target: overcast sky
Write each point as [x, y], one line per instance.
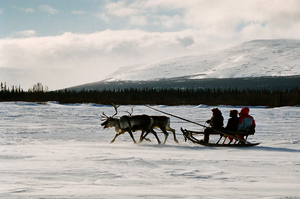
[63, 43]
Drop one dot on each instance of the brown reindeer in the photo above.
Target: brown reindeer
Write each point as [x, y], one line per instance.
[162, 123]
[159, 122]
[129, 124]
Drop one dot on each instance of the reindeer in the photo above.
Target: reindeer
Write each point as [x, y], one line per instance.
[129, 124]
[162, 123]
[159, 122]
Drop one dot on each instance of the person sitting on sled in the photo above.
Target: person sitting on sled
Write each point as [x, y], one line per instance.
[215, 122]
[233, 121]
[232, 124]
[246, 122]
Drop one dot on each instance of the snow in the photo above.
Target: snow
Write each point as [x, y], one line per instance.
[60, 151]
[251, 59]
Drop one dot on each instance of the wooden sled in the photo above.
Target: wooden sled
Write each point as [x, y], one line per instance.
[189, 135]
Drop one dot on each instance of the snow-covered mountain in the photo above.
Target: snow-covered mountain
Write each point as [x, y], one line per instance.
[251, 59]
[262, 64]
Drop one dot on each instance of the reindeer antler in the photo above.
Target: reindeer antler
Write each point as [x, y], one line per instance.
[106, 117]
[116, 109]
[103, 116]
[129, 112]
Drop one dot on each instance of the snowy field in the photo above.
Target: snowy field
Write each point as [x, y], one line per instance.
[60, 151]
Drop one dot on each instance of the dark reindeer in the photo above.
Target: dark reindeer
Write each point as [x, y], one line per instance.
[159, 122]
[129, 124]
[162, 123]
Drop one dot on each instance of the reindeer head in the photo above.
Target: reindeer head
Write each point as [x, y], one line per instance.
[109, 121]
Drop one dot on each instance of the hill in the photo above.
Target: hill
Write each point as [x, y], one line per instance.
[270, 64]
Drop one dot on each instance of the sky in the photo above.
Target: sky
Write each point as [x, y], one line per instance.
[63, 43]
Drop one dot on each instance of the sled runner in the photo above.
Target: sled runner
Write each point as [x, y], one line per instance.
[189, 135]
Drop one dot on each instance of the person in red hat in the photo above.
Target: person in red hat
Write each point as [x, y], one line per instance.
[246, 121]
[215, 122]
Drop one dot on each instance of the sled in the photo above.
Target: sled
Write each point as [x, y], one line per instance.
[189, 135]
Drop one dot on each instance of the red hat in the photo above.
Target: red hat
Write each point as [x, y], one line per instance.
[245, 111]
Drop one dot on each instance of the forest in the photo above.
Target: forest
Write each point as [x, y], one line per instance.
[156, 96]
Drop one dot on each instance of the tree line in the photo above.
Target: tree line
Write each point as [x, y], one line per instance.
[156, 96]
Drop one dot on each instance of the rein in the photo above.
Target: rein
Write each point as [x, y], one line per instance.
[176, 116]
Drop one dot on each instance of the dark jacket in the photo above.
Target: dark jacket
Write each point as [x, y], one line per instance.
[217, 120]
[232, 124]
[233, 121]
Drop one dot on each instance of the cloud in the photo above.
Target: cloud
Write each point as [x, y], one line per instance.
[138, 20]
[168, 22]
[27, 10]
[25, 33]
[48, 9]
[186, 41]
[142, 14]
[128, 12]
[120, 9]
[71, 59]
[214, 18]
[1, 11]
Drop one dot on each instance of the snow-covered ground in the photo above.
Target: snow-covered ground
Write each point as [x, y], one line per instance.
[60, 151]
[251, 59]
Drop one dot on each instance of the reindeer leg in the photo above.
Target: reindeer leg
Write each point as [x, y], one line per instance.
[174, 135]
[144, 137]
[166, 134]
[166, 137]
[131, 135]
[154, 133]
[141, 137]
[112, 141]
